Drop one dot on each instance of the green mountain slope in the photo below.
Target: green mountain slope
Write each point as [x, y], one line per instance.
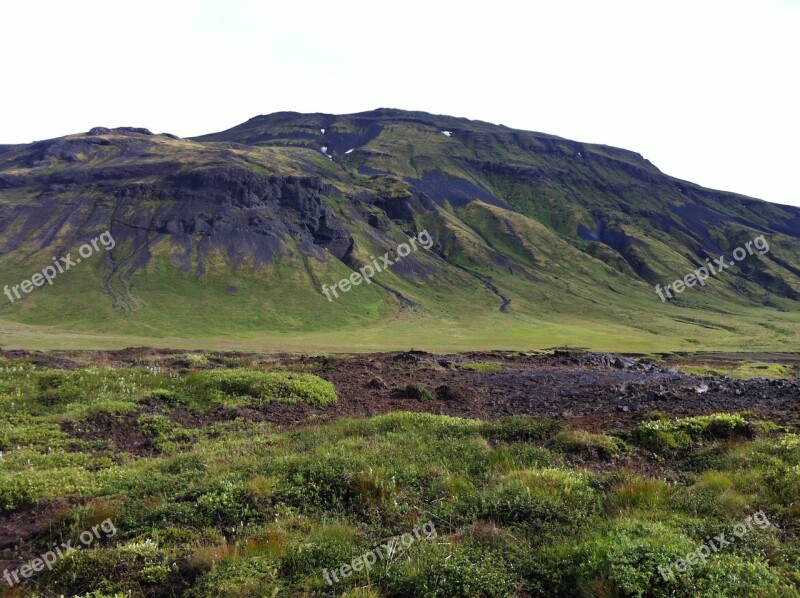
[227, 239]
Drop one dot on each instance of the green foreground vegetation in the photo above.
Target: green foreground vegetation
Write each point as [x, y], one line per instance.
[741, 371]
[521, 506]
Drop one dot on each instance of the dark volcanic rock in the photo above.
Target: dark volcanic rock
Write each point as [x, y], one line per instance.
[137, 130]
[241, 212]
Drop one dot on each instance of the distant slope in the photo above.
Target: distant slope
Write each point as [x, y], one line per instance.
[538, 240]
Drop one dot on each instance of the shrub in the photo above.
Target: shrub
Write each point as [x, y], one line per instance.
[638, 493]
[55, 388]
[239, 578]
[17, 492]
[206, 557]
[521, 455]
[25, 430]
[24, 489]
[283, 387]
[229, 504]
[361, 593]
[449, 486]
[715, 427]
[521, 428]
[781, 489]
[588, 445]
[375, 485]
[323, 546]
[155, 426]
[417, 393]
[540, 499]
[90, 385]
[704, 458]
[661, 435]
[624, 561]
[325, 484]
[163, 432]
[248, 510]
[166, 396]
[483, 366]
[261, 487]
[130, 567]
[449, 570]
[766, 453]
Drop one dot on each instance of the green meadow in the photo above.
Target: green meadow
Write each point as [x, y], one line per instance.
[521, 506]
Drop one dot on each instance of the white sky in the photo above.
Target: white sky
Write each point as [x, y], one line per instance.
[708, 90]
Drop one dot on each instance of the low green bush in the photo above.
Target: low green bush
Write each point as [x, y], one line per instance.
[638, 493]
[240, 578]
[540, 499]
[230, 504]
[715, 495]
[28, 431]
[624, 560]
[56, 388]
[521, 455]
[283, 387]
[323, 546]
[483, 366]
[164, 434]
[167, 396]
[521, 428]
[155, 426]
[449, 570]
[134, 567]
[663, 434]
[324, 484]
[587, 445]
[417, 392]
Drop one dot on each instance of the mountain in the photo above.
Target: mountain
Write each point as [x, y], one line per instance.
[227, 239]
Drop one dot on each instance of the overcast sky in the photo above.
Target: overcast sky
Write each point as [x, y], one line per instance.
[708, 90]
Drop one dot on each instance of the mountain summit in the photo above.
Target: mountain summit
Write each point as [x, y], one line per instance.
[536, 240]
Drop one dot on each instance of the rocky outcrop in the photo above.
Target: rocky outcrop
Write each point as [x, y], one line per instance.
[239, 212]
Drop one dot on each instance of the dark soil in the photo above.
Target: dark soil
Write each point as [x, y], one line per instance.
[587, 390]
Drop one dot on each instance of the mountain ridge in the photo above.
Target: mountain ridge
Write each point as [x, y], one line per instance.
[545, 228]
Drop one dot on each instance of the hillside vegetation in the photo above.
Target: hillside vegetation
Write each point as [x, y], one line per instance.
[227, 239]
